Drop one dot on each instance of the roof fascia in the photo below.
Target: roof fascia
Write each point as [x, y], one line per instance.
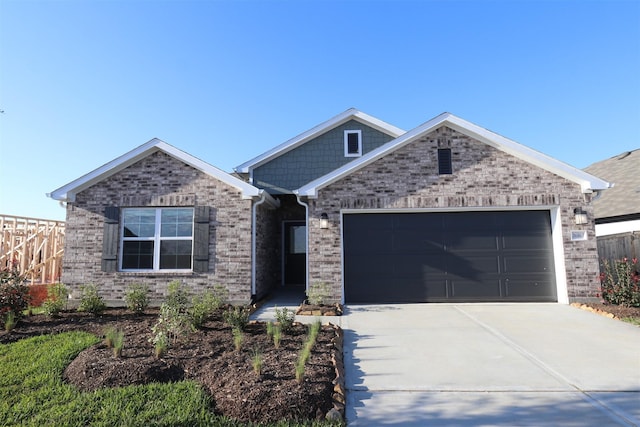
[318, 130]
[67, 193]
[587, 182]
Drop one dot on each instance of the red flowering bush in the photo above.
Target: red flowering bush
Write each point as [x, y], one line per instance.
[14, 294]
[620, 282]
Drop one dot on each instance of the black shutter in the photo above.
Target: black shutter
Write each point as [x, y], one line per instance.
[444, 161]
[201, 239]
[110, 237]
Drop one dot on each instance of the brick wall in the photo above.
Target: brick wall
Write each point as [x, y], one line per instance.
[160, 180]
[482, 177]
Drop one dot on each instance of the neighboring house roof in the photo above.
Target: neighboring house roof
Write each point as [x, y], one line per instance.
[587, 181]
[624, 198]
[67, 193]
[350, 114]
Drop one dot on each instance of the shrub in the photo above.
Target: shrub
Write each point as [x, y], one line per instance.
[172, 324]
[202, 307]
[177, 297]
[14, 294]
[285, 319]
[56, 299]
[237, 317]
[318, 293]
[90, 300]
[137, 298]
[620, 282]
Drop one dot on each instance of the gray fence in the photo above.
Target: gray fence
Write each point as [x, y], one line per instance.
[618, 246]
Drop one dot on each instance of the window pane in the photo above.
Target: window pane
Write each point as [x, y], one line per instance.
[139, 222]
[352, 143]
[137, 255]
[298, 239]
[175, 254]
[177, 223]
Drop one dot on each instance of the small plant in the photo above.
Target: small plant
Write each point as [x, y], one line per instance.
[270, 328]
[137, 298]
[256, 361]
[620, 282]
[238, 339]
[277, 336]
[90, 300]
[109, 335]
[172, 324]
[305, 353]
[176, 296]
[118, 343]
[285, 318]
[202, 307]
[237, 317]
[56, 300]
[9, 321]
[318, 293]
[160, 344]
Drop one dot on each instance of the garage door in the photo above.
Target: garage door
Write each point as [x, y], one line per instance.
[448, 257]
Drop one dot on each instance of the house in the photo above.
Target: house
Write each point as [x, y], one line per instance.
[617, 211]
[448, 211]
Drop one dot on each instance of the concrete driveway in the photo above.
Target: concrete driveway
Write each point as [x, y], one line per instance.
[489, 364]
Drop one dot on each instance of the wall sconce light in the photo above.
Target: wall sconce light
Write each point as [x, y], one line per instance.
[580, 216]
[324, 220]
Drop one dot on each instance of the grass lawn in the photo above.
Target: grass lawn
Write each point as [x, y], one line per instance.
[32, 392]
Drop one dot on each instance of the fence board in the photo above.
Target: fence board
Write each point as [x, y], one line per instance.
[618, 246]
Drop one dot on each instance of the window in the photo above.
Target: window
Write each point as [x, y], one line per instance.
[444, 161]
[352, 143]
[157, 239]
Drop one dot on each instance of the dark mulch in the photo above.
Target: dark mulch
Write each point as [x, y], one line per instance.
[618, 311]
[207, 356]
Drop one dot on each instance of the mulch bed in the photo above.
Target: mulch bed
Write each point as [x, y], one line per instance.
[207, 356]
[611, 310]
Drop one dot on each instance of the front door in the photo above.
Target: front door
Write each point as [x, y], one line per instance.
[295, 253]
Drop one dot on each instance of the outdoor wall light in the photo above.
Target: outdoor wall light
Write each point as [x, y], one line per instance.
[580, 216]
[324, 220]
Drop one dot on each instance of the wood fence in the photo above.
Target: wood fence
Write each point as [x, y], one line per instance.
[618, 246]
[34, 246]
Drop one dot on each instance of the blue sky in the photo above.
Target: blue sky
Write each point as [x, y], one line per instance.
[82, 82]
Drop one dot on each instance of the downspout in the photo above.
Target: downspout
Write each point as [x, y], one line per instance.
[306, 221]
[263, 198]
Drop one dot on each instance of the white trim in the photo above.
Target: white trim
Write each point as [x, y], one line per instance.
[67, 193]
[617, 227]
[556, 237]
[350, 114]
[346, 143]
[587, 182]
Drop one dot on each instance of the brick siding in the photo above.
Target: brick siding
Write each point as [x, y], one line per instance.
[482, 177]
[160, 180]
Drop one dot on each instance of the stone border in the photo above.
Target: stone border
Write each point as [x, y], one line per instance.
[594, 310]
[319, 310]
[339, 397]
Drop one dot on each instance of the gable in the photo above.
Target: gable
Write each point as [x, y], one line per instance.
[587, 182]
[67, 193]
[315, 158]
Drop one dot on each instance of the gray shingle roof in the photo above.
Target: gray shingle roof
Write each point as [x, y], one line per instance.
[624, 171]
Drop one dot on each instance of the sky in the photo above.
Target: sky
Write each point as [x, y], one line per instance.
[83, 82]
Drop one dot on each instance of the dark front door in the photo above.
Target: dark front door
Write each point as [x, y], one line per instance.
[295, 253]
[449, 256]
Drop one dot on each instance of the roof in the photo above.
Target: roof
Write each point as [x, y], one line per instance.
[586, 181]
[350, 114]
[624, 197]
[67, 193]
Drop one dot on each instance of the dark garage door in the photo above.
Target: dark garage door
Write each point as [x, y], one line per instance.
[452, 256]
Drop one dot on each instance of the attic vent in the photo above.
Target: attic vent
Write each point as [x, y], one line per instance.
[444, 161]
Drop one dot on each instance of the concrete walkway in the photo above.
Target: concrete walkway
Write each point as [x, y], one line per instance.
[489, 364]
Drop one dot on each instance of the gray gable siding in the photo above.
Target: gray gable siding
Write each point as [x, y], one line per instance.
[314, 159]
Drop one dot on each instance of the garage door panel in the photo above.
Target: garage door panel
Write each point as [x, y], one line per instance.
[452, 256]
[527, 264]
[485, 289]
[530, 289]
